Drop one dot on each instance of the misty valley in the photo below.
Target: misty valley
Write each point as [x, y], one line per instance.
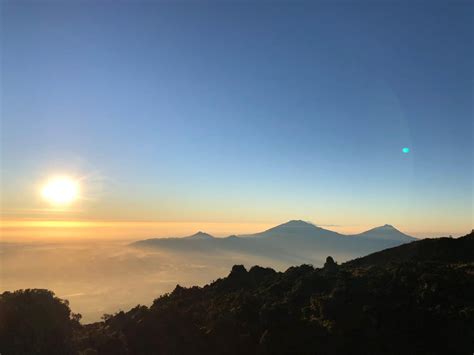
[415, 298]
[99, 277]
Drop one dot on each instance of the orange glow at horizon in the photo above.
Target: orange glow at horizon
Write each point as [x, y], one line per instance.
[91, 229]
[32, 230]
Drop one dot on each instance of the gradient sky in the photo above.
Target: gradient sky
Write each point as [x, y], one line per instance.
[241, 113]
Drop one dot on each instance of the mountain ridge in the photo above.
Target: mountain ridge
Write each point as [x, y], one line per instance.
[292, 241]
[440, 249]
[291, 226]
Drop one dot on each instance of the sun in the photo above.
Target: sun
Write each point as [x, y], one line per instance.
[60, 191]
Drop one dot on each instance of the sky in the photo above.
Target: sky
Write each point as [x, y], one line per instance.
[233, 116]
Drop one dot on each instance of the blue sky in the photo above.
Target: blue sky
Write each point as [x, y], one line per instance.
[243, 111]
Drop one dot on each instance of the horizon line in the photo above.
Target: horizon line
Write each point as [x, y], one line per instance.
[15, 228]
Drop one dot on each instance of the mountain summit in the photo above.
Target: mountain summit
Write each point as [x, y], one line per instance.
[297, 229]
[200, 235]
[385, 232]
[295, 224]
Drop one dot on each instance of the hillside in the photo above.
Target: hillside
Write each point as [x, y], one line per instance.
[418, 301]
[446, 250]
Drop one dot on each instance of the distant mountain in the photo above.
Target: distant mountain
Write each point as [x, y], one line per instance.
[296, 229]
[200, 236]
[292, 242]
[386, 232]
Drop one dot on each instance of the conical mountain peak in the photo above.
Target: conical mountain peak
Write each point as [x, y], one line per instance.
[201, 235]
[386, 232]
[297, 229]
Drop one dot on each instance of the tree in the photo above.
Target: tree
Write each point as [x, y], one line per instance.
[35, 321]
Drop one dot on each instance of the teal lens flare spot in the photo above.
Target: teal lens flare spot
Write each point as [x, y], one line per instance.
[406, 150]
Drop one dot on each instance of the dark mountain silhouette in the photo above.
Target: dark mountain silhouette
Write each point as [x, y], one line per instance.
[200, 236]
[296, 229]
[294, 241]
[437, 250]
[419, 302]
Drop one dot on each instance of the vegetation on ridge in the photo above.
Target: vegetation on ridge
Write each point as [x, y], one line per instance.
[411, 305]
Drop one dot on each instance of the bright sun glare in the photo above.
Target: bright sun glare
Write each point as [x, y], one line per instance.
[60, 190]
